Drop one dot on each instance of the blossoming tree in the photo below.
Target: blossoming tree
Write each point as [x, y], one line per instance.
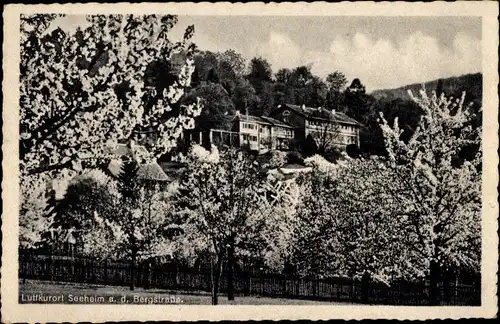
[314, 248]
[230, 197]
[438, 191]
[83, 91]
[368, 242]
[111, 222]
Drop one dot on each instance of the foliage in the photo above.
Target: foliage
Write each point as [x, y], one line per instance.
[273, 159]
[411, 214]
[320, 164]
[352, 150]
[79, 90]
[344, 224]
[276, 234]
[35, 220]
[294, 157]
[86, 195]
[218, 106]
[314, 247]
[225, 191]
[336, 82]
[358, 103]
[228, 198]
[259, 71]
[439, 193]
[310, 146]
[368, 241]
[454, 86]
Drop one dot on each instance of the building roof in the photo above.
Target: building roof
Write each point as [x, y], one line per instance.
[276, 122]
[264, 120]
[323, 114]
[147, 171]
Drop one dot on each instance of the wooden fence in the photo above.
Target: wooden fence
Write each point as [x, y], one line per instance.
[68, 269]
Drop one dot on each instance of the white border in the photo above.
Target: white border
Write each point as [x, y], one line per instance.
[14, 312]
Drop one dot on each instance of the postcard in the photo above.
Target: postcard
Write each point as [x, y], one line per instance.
[229, 161]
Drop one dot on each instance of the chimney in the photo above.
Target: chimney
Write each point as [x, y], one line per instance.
[333, 111]
[319, 108]
[237, 112]
[303, 107]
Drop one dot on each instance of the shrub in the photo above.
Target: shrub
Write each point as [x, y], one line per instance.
[294, 157]
[353, 151]
[273, 159]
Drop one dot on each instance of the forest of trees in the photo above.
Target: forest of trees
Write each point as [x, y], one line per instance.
[226, 82]
[407, 208]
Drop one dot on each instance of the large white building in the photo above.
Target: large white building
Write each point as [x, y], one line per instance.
[287, 128]
[329, 128]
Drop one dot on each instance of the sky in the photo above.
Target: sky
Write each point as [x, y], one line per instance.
[383, 52]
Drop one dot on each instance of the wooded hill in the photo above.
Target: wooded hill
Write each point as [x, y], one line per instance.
[471, 83]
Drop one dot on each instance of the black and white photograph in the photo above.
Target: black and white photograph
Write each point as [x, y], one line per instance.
[246, 159]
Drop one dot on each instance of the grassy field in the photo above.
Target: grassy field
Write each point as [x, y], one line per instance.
[33, 291]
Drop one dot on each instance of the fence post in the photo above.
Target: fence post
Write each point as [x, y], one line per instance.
[50, 268]
[353, 290]
[365, 286]
[105, 270]
[261, 284]
[477, 291]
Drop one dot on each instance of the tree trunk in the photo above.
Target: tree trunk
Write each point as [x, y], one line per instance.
[434, 275]
[365, 286]
[145, 278]
[132, 269]
[447, 278]
[230, 272]
[216, 273]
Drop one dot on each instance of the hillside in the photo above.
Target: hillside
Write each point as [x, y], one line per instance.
[471, 83]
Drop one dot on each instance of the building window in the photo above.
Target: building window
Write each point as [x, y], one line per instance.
[286, 113]
[249, 126]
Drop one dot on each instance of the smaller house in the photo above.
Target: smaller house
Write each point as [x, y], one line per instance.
[263, 133]
[148, 171]
[151, 171]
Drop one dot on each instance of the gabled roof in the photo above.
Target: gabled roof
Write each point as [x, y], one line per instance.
[251, 119]
[264, 120]
[276, 122]
[147, 171]
[323, 114]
